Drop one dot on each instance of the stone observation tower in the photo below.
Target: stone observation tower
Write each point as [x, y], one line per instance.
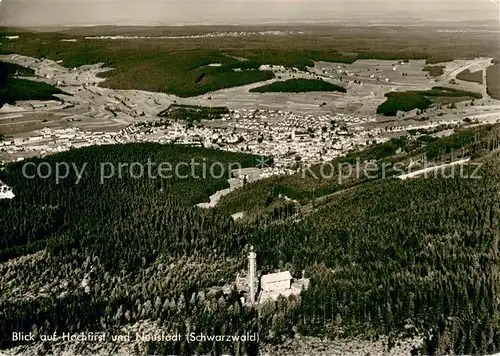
[252, 270]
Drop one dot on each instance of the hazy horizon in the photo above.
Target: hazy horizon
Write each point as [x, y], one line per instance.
[236, 12]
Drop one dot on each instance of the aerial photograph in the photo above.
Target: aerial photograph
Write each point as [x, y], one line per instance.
[249, 177]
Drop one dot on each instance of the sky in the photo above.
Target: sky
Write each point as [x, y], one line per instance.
[229, 12]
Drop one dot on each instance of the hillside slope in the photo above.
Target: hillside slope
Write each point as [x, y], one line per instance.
[394, 258]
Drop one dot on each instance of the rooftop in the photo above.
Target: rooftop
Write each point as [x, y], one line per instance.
[276, 277]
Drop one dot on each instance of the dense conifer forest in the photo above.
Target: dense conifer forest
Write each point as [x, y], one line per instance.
[388, 257]
[407, 101]
[468, 76]
[13, 89]
[298, 86]
[193, 113]
[493, 80]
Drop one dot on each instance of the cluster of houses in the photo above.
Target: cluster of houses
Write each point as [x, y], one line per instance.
[49, 141]
[205, 35]
[287, 137]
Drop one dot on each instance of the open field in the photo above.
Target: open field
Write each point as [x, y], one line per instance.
[369, 81]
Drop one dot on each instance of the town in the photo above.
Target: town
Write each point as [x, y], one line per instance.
[286, 137]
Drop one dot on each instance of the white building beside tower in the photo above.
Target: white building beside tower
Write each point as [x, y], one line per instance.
[5, 191]
[276, 281]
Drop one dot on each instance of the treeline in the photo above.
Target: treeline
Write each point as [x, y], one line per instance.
[410, 100]
[298, 86]
[193, 113]
[468, 76]
[493, 81]
[449, 92]
[434, 71]
[405, 101]
[11, 69]
[13, 89]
